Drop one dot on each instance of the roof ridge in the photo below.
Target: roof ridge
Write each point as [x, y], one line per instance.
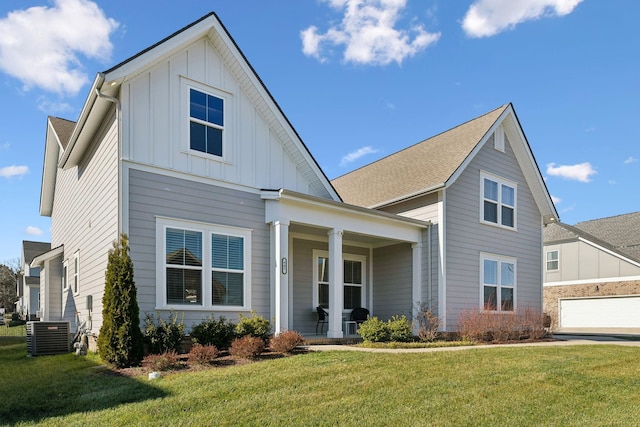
[424, 140]
[606, 218]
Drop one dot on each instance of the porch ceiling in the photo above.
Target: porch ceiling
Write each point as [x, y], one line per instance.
[320, 234]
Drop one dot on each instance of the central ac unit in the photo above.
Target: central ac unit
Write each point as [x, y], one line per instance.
[47, 338]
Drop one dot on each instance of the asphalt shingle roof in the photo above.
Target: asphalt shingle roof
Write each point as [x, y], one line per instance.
[416, 169]
[64, 129]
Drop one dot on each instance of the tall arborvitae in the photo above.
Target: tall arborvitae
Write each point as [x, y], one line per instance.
[120, 341]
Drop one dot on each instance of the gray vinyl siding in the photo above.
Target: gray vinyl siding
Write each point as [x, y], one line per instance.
[424, 208]
[392, 281]
[152, 195]
[581, 261]
[85, 220]
[431, 277]
[467, 237]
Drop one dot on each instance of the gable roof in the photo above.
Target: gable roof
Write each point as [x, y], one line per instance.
[436, 162]
[619, 234]
[63, 129]
[30, 250]
[106, 86]
[402, 175]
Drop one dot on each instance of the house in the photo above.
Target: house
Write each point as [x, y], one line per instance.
[183, 148]
[592, 273]
[28, 280]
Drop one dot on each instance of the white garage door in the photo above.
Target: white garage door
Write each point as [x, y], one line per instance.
[611, 312]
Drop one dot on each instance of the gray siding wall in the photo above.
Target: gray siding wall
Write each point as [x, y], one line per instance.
[466, 236]
[392, 281]
[581, 261]
[85, 220]
[152, 195]
[424, 208]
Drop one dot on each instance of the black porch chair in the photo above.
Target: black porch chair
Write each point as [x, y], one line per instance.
[359, 315]
[322, 319]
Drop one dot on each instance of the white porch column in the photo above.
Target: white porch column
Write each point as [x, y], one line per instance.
[281, 279]
[336, 277]
[416, 284]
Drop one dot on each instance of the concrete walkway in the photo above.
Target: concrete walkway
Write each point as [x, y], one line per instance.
[560, 340]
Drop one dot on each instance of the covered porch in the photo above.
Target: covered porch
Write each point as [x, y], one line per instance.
[339, 257]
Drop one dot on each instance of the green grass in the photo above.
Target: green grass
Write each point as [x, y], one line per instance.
[577, 385]
[13, 331]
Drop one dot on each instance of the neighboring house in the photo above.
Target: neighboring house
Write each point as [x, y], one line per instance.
[592, 273]
[28, 282]
[183, 148]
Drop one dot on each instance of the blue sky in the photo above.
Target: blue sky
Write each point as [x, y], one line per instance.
[358, 79]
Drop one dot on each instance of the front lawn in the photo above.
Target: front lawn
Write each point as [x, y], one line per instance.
[577, 385]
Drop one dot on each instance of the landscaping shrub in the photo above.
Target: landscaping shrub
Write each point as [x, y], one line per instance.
[477, 325]
[218, 332]
[120, 340]
[399, 329]
[246, 347]
[256, 326]
[202, 354]
[165, 335]
[428, 323]
[285, 342]
[161, 362]
[374, 330]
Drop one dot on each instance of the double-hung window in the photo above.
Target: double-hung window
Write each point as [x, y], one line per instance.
[498, 201]
[353, 280]
[202, 266]
[553, 263]
[206, 122]
[498, 283]
[76, 272]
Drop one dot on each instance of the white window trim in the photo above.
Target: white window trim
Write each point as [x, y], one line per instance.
[227, 98]
[501, 182]
[546, 260]
[499, 259]
[345, 257]
[75, 287]
[65, 275]
[207, 230]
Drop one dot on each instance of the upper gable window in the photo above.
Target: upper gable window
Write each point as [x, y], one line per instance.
[498, 201]
[206, 127]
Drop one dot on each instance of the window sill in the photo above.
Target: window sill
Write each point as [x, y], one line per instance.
[186, 307]
[502, 227]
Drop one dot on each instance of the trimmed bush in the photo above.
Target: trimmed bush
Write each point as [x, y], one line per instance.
[120, 340]
[246, 347]
[218, 332]
[161, 362]
[477, 325]
[374, 330]
[202, 354]
[165, 335]
[256, 326]
[285, 341]
[399, 329]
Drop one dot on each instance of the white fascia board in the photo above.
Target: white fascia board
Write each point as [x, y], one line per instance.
[71, 154]
[49, 170]
[593, 282]
[40, 259]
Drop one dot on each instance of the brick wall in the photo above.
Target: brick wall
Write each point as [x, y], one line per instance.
[551, 294]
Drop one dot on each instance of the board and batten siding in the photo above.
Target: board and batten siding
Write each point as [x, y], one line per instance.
[582, 261]
[154, 195]
[155, 116]
[467, 237]
[85, 220]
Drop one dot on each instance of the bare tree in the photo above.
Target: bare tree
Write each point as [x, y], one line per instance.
[8, 276]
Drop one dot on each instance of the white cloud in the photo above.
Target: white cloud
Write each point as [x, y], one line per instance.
[486, 18]
[12, 171]
[367, 32]
[580, 172]
[555, 199]
[34, 231]
[5, 145]
[40, 45]
[630, 160]
[355, 155]
[51, 107]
